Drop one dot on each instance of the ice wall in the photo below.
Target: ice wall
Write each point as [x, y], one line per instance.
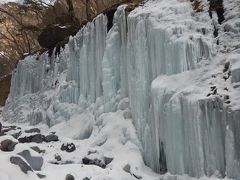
[156, 46]
[179, 133]
[205, 140]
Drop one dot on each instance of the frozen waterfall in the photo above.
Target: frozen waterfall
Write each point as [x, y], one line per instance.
[148, 56]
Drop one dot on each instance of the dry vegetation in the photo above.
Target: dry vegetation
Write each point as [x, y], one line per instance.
[197, 5]
[19, 27]
[4, 88]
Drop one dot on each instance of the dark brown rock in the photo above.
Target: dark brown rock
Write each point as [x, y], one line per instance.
[57, 157]
[41, 175]
[51, 137]
[37, 149]
[7, 145]
[69, 147]
[37, 138]
[33, 130]
[107, 160]
[96, 162]
[69, 177]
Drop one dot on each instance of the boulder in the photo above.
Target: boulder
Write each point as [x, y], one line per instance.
[95, 161]
[108, 160]
[57, 157]
[37, 138]
[35, 162]
[127, 168]
[37, 149]
[69, 177]
[41, 175]
[21, 163]
[86, 178]
[7, 145]
[33, 130]
[69, 147]
[51, 137]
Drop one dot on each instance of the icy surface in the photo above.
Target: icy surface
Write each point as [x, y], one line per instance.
[162, 67]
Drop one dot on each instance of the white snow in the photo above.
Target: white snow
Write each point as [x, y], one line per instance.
[113, 136]
[22, 1]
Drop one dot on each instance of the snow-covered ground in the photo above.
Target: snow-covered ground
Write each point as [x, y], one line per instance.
[113, 137]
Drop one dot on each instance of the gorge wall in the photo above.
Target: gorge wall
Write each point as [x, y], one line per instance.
[164, 58]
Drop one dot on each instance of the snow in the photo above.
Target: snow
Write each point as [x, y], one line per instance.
[6, 1]
[115, 139]
[143, 93]
[22, 1]
[79, 129]
[113, 136]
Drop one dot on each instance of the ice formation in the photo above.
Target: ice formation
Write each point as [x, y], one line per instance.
[162, 58]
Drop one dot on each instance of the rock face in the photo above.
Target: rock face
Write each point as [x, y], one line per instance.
[83, 11]
[21, 163]
[70, 14]
[35, 162]
[53, 35]
[7, 145]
